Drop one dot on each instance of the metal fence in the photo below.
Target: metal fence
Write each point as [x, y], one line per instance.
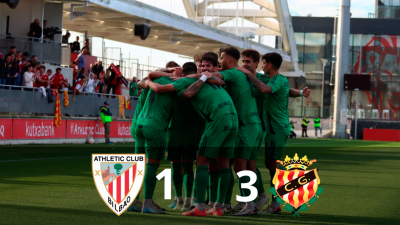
[20, 100]
[47, 51]
[129, 67]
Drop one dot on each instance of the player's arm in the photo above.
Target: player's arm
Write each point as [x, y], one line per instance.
[193, 89]
[297, 93]
[217, 74]
[264, 88]
[157, 74]
[212, 80]
[142, 83]
[159, 88]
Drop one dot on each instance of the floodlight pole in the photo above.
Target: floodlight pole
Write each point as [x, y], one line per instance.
[342, 67]
[355, 129]
[324, 62]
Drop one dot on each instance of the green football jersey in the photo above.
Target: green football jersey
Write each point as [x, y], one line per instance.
[183, 116]
[132, 92]
[260, 97]
[240, 88]
[276, 112]
[140, 104]
[156, 112]
[211, 102]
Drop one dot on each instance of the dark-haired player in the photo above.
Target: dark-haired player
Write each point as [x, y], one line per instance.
[240, 89]
[276, 117]
[250, 61]
[215, 106]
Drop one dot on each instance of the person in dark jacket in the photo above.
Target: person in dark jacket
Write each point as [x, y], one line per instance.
[35, 30]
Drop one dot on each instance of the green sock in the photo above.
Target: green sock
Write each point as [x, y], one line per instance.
[214, 177]
[188, 177]
[201, 183]
[245, 179]
[208, 186]
[223, 184]
[229, 192]
[260, 187]
[177, 179]
[272, 174]
[150, 180]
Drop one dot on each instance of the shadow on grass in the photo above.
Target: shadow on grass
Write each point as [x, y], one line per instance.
[36, 215]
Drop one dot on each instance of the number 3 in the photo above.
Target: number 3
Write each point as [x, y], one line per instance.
[253, 190]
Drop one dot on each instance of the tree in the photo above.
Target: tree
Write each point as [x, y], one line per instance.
[118, 168]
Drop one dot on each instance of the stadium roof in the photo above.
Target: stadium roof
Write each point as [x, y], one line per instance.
[115, 20]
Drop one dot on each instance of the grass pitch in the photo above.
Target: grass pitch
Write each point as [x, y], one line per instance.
[53, 184]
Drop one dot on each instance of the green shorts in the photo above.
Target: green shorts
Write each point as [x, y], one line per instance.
[248, 141]
[219, 137]
[133, 130]
[150, 141]
[274, 144]
[181, 145]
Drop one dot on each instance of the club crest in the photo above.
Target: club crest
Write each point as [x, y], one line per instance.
[118, 178]
[296, 188]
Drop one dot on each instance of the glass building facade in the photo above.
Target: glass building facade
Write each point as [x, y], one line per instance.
[375, 55]
[387, 9]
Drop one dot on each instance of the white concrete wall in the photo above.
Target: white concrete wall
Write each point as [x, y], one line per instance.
[21, 17]
[53, 13]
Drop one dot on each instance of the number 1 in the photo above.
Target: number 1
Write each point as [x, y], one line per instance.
[167, 182]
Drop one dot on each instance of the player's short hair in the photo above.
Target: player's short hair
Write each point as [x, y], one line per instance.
[189, 70]
[42, 67]
[58, 69]
[29, 66]
[190, 64]
[231, 51]
[210, 57]
[274, 58]
[172, 64]
[197, 58]
[26, 54]
[49, 70]
[251, 53]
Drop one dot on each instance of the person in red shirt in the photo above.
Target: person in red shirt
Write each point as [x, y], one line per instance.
[78, 86]
[43, 78]
[57, 80]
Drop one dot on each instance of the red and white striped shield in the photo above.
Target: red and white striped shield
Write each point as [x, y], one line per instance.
[118, 178]
[296, 187]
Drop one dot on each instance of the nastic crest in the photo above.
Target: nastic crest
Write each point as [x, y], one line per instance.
[118, 178]
[296, 188]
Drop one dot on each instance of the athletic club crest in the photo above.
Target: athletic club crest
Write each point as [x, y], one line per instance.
[296, 188]
[118, 178]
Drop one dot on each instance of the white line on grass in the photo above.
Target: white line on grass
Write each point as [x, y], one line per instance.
[18, 160]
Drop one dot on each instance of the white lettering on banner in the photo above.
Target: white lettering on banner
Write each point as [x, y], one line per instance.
[99, 130]
[77, 130]
[124, 131]
[2, 130]
[39, 131]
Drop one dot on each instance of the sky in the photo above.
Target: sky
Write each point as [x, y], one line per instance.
[317, 8]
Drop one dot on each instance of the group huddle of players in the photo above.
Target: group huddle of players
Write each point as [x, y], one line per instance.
[217, 116]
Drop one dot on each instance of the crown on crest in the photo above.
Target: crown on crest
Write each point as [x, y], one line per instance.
[296, 163]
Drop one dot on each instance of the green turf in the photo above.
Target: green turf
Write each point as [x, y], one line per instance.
[360, 180]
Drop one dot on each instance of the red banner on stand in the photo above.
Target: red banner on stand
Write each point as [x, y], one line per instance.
[5, 128]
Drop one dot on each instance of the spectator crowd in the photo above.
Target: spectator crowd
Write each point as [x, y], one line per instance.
[22, 69]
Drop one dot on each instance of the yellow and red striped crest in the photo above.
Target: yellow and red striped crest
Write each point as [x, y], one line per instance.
[296, 187]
